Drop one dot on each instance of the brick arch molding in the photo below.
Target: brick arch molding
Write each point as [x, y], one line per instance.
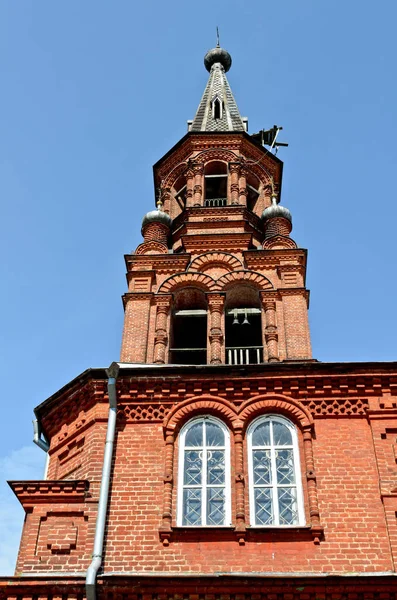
[215, 154]
[204, 282]
[151, 247]
[279, 241]
[176, 172]
[211, 258]
[242, 276]
[213, 405]
[260, 405]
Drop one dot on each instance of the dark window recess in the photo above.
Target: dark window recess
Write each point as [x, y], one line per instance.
[189, 337]
[243, 336]
[217, 109]
[215, 189]
[252, 197]
[181, 197]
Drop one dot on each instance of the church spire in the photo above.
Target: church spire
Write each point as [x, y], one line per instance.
[218, 110]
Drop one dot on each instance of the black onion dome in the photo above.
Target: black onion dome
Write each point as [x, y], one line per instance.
[217, 55]
[276, 210]
[156, 216]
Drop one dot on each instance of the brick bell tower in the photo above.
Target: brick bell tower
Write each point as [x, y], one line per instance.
[217, 279]
[217, 459]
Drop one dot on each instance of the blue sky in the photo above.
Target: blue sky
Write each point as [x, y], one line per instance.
[95, 92]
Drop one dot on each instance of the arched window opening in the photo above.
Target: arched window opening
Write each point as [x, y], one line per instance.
[252, 191]
[217, 108]
[179, 193]
[204, 474]
[189, 328]
[243, 326]
[215, 179]
[275, 483]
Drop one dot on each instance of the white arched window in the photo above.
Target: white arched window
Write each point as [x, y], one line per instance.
[204, 474]
[274, 473]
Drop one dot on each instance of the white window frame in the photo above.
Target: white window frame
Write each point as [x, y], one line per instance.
[220, 101]
[298, 477]
[204, 486]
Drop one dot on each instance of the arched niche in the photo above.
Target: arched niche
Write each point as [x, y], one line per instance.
[189, 327]
[215, 183]
[178, 193]
[243, 324]
[254, 187]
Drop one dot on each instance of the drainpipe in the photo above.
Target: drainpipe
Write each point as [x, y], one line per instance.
[37, 439]
[90, 581]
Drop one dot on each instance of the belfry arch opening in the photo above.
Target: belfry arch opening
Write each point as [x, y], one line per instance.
[215, 184]
[243, 326]
[253, 185]
[179, 194]
[189, 328]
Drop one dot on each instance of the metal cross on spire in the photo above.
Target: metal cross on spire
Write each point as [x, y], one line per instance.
[217, 37]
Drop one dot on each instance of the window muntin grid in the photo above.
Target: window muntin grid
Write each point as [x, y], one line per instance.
[275, 483]
[204, 474]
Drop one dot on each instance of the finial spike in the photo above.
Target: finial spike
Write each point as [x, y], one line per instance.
[217, 37]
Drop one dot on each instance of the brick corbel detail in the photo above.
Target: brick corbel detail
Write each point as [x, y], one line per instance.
[31, 493]
[216, 304]
[234, 170]
[161, 328]
[271, 333]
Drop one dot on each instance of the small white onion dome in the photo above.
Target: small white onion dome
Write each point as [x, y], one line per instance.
[276, 210]
[156, 216]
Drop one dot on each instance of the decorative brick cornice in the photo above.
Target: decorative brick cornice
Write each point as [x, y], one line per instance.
[132, 296]
[321, 397]
[295, 292]
[49, 492]
[325, 390]
[302, 586]
[158, 262]
[74, 412]
[232, 242]
[263, 258]
[269, 295]
[225, 214]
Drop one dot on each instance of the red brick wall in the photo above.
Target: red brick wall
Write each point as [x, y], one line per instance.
[135, 333]
[355, 537]
[354, 461]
